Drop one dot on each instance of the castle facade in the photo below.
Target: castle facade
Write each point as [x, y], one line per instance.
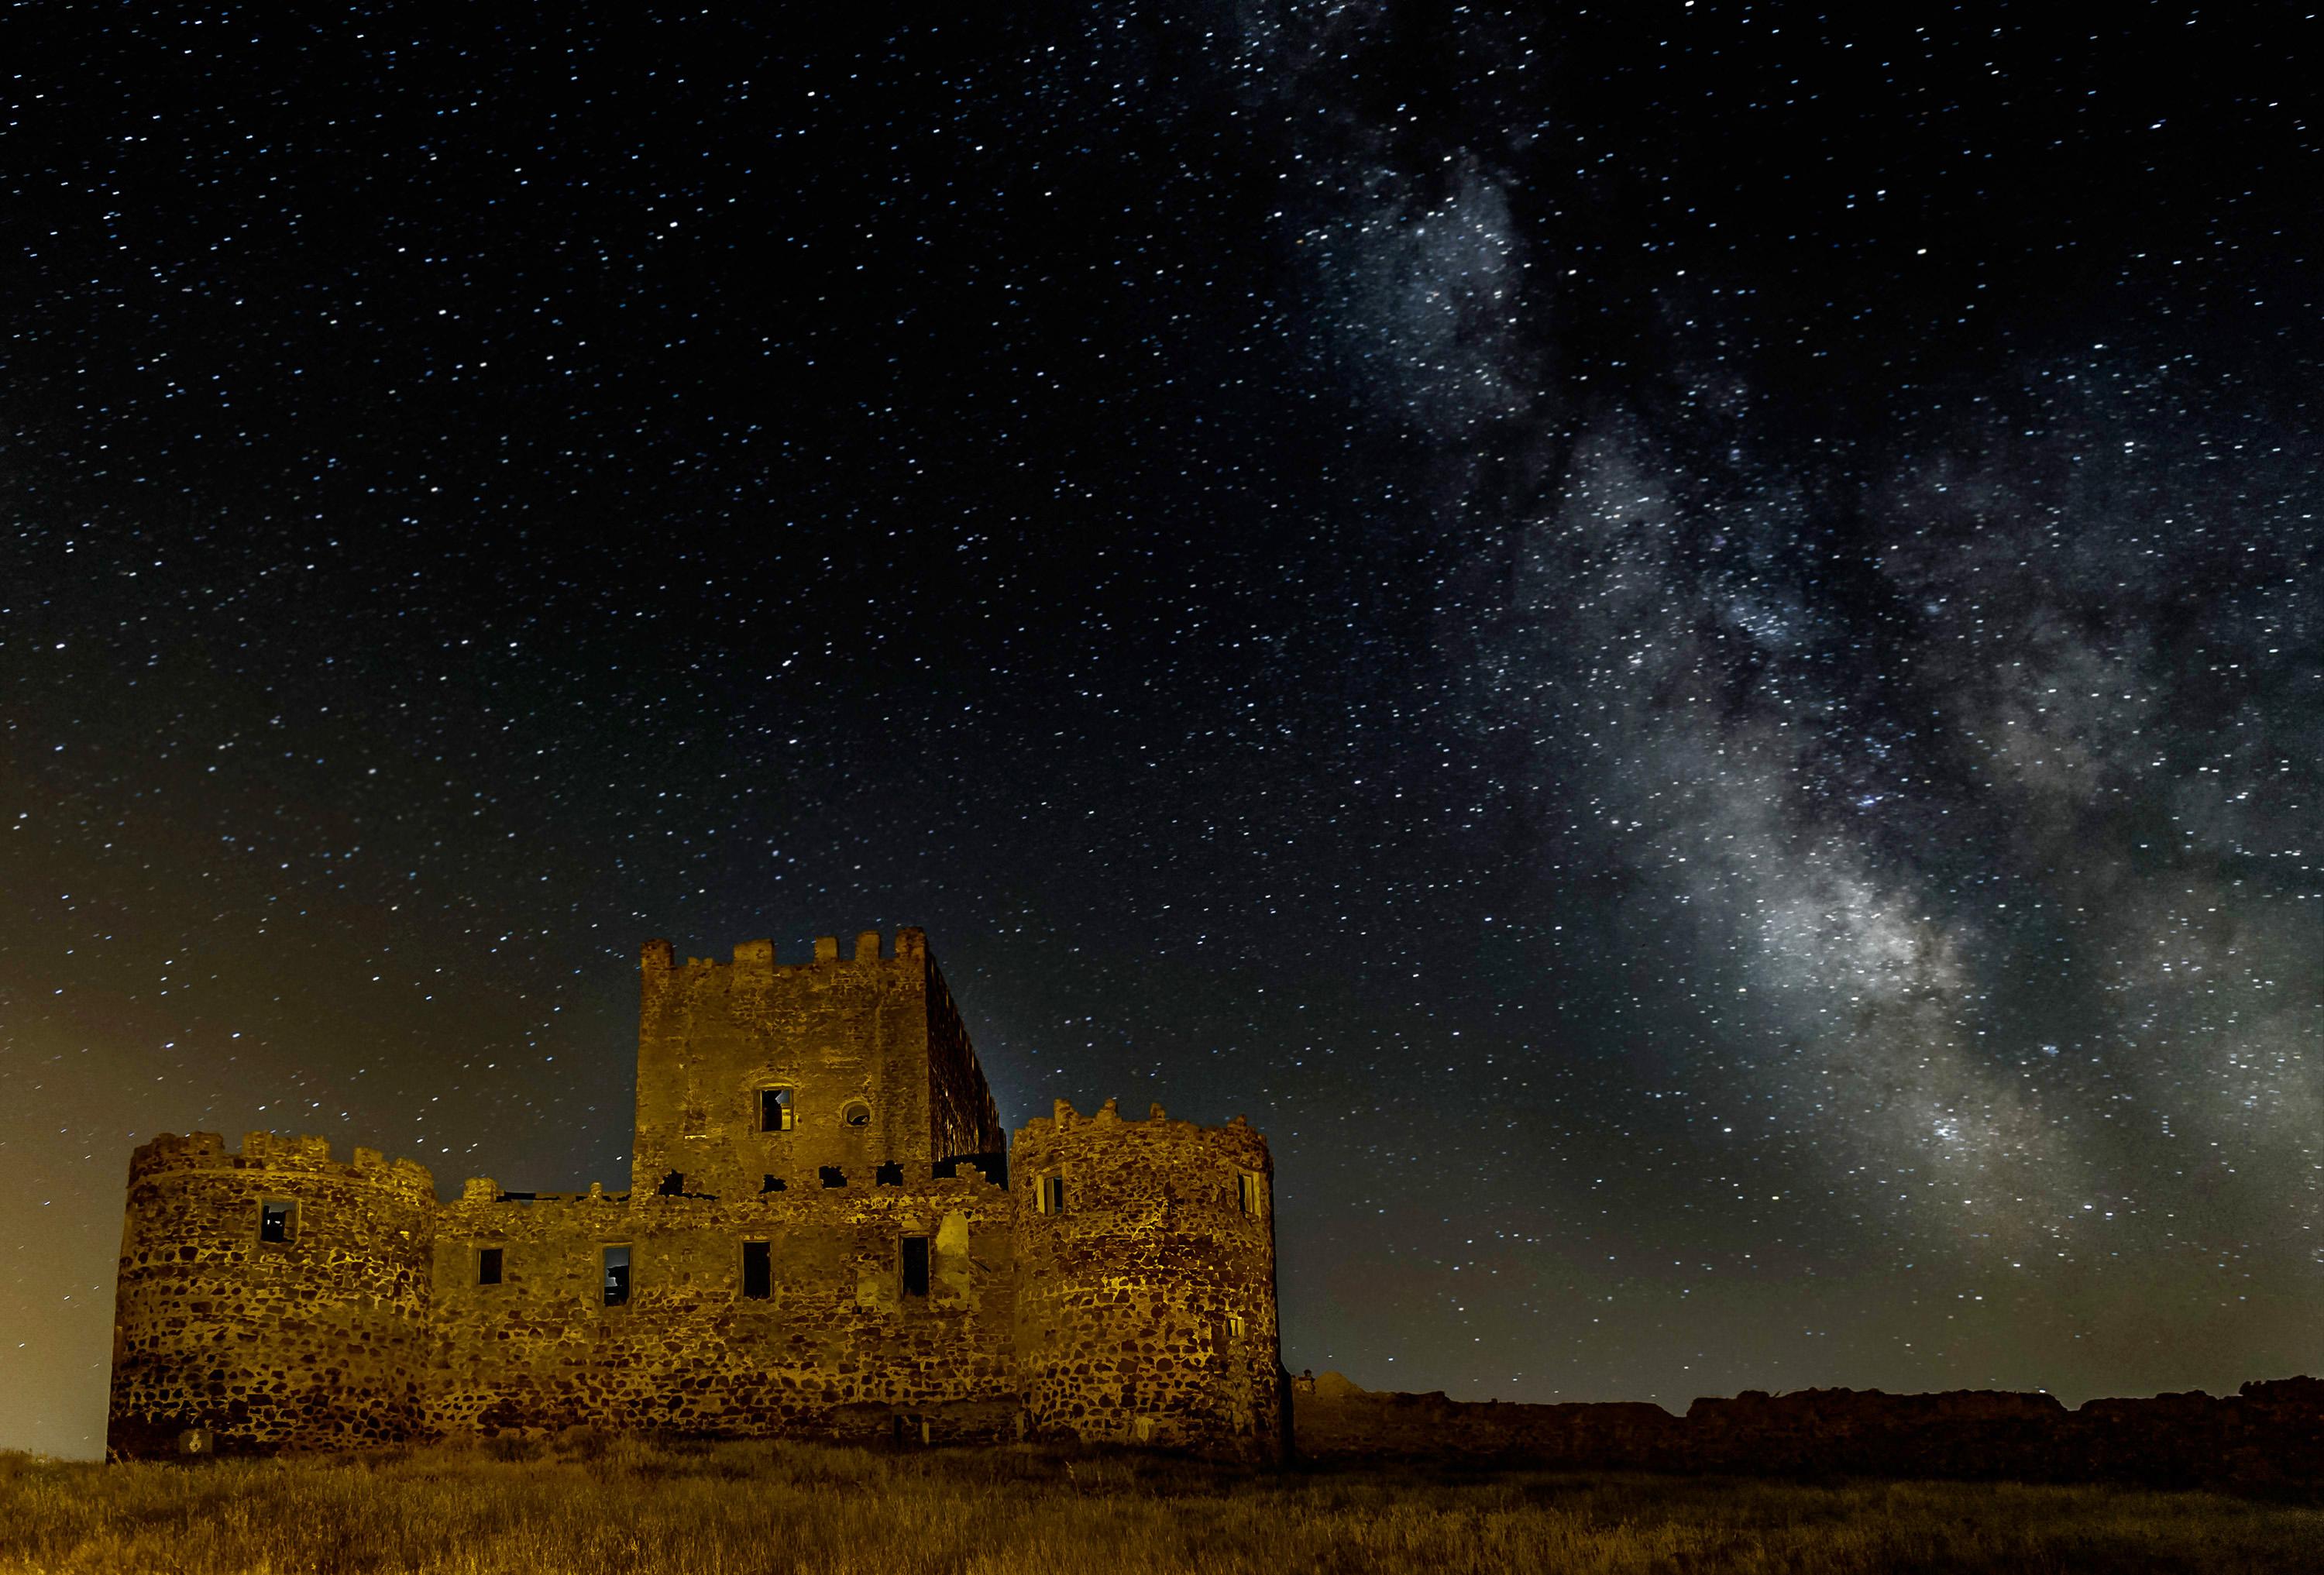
[827, 1233]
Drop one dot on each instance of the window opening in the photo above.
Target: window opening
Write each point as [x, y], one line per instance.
[856, 1113]
[673, 1186]
[776, 1113]
[1250, 1193]
[758, 1270]
[833, 1177]
[1234, 1324]
[488, 1266]
[516, 1197]
[274, 1219]
[1053, 1195]
[916, 1266]
[890, 1174]
[616, 1262]
[773, 1184]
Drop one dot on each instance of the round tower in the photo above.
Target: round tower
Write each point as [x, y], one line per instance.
[270, 1299]
[1146, 1283]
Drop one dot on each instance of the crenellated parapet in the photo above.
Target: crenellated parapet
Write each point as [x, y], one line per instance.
[264, 1153]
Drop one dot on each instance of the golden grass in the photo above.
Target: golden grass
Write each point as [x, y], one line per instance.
[630, 1505]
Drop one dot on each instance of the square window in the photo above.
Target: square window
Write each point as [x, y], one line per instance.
[488, 1266]
[613, 1263]
[758, 1270]
[775, 1110]
[275, 1220]
[916, 1266]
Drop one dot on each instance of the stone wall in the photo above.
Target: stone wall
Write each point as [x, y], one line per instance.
[314, 1341]
[2268, 1437]
[1146, 1306]
[837, 1033]
[1144, 1311]
[838, 1349]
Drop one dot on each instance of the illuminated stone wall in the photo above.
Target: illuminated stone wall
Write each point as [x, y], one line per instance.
[1146, 1282]
[907, 1293]
[314, 1341]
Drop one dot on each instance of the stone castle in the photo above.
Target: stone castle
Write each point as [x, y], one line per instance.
[827, 1233]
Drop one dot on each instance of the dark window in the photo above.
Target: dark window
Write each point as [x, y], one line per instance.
[673, 1186]
[1053, 1195]
[773, 1184]
[1248, 1193]
[775, 1111]
[617, 1276]
[488, 1266]
[916, 1266]
[890, 1174]
[274, 1220]
[856, 1113]
[758, 1270]
[833, 1177]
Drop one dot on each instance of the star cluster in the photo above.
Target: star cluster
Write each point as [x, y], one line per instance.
[1682, 647]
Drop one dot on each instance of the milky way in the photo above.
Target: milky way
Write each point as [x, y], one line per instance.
[1682, 649]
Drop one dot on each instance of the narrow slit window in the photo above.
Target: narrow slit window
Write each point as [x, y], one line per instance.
[1053, 1195]
[615, 1263]
[275, 1220]
[758, 1270]
[776, 1113]
[1250, 1193]
[1234, 1325]
[916, 1266]
[488, 1266]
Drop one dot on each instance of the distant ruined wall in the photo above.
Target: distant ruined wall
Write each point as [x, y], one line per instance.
[313, 1341]
[838, 1349]
[1146, 1306]
[2269, 1437]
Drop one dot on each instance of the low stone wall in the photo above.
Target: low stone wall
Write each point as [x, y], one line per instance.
[2267, 1438]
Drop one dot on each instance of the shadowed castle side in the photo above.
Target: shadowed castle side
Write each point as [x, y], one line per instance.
[827, 1234]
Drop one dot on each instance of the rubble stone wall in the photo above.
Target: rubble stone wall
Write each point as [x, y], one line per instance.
[311, 1343]
[1146, 1306]
[839, 1347]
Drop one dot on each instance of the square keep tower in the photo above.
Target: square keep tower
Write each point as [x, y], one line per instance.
[756, 1072]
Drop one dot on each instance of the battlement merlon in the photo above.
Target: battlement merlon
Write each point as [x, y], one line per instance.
[275, 1153]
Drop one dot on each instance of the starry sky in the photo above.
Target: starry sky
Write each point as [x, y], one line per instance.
[1680, 644]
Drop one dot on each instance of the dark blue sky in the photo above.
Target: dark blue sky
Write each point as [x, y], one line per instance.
[1680, 647]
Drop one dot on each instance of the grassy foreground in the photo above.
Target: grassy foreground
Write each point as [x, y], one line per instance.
[627, 1506]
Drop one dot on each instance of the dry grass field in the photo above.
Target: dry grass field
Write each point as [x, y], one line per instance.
[599, 1507]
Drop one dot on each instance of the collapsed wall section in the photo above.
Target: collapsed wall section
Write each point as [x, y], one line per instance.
[274, 1297]
[1146, 1307]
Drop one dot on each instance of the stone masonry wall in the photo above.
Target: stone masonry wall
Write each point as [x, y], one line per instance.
[1146, 1308]
[837, 1033]
[838, 1349]
[311, 1343]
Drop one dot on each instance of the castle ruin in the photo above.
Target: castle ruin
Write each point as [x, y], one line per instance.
[827, 1233]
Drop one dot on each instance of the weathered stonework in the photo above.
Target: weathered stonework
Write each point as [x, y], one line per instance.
[826, 1235]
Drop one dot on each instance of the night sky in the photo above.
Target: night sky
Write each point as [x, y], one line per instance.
[1684, 646]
